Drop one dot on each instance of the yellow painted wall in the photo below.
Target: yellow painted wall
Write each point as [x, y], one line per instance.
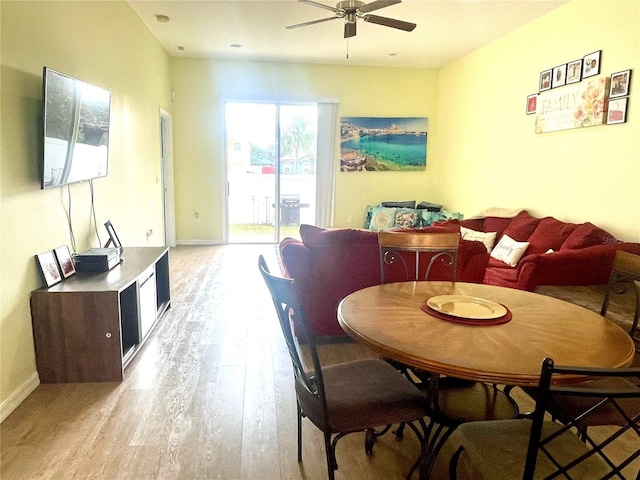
[105, 44]
[201, 86]
[489, 155]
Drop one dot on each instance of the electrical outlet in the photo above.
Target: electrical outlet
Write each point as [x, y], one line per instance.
[350, 220]
[197, 216]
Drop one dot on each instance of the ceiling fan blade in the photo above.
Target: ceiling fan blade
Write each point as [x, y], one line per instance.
[390, 22]
[321, 5]
[349, 29]
[312, 22]
[378, 4]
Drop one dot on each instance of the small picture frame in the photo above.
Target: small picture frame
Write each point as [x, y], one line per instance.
[532, 103]
[49, 267]
[591, 64]
[545, 80]
[574, 71]
[617, 111]
[559, 76]
[65, 262]
[620, 82]
[113, 236]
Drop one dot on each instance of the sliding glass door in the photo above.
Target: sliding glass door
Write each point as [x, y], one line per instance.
[271, 170]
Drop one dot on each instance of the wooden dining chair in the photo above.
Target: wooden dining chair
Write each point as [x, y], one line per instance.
[625, 274]
[539, 448]
[407, 256]
[348, 397]
[413, 255]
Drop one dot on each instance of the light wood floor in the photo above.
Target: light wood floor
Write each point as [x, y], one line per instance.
[209, 396]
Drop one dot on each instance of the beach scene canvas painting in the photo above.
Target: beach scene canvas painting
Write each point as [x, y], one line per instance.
[369, 144]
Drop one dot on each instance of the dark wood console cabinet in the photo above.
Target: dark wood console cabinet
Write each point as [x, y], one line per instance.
[88, 327]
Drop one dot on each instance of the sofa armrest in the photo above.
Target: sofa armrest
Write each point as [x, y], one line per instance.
[295, 257]
[585, 266]
[472, 261]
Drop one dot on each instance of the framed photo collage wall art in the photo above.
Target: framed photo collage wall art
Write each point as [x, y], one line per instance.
[578, 70]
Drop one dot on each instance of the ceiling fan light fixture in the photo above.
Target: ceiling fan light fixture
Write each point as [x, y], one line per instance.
[347, 5]
[351, 10]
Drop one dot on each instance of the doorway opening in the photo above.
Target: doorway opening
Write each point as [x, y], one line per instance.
[271, 170]
[168, 204]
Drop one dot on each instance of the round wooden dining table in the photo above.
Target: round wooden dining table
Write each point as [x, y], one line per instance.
[391, 320]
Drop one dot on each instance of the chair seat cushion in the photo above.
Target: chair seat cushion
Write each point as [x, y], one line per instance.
[461, 401]
[369, 393]
[497, 451]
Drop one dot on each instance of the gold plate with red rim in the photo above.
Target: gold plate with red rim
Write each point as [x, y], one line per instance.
[464, 306]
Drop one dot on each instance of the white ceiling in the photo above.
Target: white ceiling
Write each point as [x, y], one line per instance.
[446, 30]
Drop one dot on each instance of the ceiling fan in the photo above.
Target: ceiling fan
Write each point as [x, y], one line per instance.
[351, 10]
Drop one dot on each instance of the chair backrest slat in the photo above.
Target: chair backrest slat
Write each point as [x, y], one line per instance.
[411, 251]
[625, 273]
[306, 364]
[625, 399]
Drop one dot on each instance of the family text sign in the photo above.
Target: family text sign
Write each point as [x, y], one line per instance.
[572, 106]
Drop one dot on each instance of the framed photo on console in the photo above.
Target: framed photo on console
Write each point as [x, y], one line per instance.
[63, 256]
[113, 236]
[48, 267]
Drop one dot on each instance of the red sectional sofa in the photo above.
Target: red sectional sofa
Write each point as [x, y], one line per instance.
[330, 264]
[559, 253]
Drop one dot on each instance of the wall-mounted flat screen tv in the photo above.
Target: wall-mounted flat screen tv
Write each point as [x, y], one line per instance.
[76, 130]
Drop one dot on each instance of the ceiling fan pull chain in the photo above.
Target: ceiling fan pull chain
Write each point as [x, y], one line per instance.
[347, 49]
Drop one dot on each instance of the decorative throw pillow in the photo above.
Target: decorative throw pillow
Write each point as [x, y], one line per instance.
[429, 218]
[522, 226]
[407, 218]
[432, 207]
[509, 251]
[382, 218]
[587, 235]
[405, 204]
[488, 238]
[367, 216]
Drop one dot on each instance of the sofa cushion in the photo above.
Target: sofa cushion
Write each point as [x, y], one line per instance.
[509, 251]
[521, 226]
[496, 224]
[587, 235]
[549, 234]
[487, 238]
[504, 277]
[474, 224]
[314, 236]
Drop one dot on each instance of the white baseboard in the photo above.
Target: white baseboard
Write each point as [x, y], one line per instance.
[200, 242]
[17, 397]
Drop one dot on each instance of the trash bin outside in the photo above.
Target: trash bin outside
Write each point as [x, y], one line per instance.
[290, 209]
